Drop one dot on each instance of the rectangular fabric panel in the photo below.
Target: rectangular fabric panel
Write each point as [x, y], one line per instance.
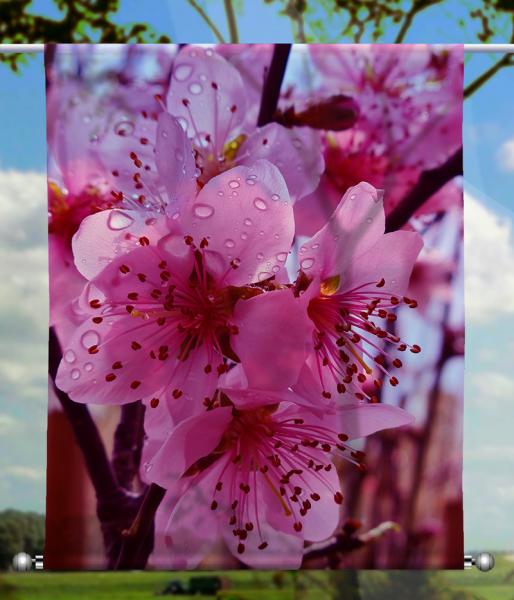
[257, 324]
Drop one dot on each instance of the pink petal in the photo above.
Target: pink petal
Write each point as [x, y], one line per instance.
[83, 375]
[321, 521]
[246, 215]
[191, 440]
[296, 152]
[361, 420]
[273, 332]
[104, 235]
[214, 95]
[391, 258]
[175, 162]
[187, 525]
[356, 225]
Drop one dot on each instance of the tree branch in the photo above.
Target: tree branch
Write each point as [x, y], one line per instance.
[428, 184]
[116, 509]
[232, 23]
[85, 430]
[470, 89]
[141, 532]
[210, 23]
[271, 88]
[128, 444]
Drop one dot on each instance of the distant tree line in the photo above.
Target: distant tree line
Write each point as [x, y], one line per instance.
[20, 532]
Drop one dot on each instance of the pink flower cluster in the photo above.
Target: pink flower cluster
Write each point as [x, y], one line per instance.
[259, 354]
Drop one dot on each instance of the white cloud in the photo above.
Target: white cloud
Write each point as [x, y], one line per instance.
[22, 472]
[489, 260]
[506, 155]
[23, 343]
[492, 385]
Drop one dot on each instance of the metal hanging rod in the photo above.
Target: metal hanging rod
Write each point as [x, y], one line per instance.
[475, 48]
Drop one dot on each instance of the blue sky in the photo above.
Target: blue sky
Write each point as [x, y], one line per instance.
[489, 171]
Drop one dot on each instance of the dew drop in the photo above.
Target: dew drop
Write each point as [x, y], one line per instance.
[275, 269]
[233, 184]
[175, 216]
[297, 143]
[244, 236]
[261, 233]
[282, 256]
[250, 181]
[164, 134]
[315, 246]
[275, 197]
[88, 367]
[264, 275]
[353, 196]
[124, 128]
[203, 211]
[183, 123]
[197, 172]
[75, 374]
[369, 220]
[183, 72]
[260, 256]
[196, 88]
[90, 338]
[69, 356]
[307, 263]
[118, 220]
[229, 243]
[260, 204]
[220, 194]
[248, 222]
[148, 467]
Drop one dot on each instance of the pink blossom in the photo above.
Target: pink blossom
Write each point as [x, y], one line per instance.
[260, 477]
[353, 274]
[208, 96]
[410, 120]
[163, 311]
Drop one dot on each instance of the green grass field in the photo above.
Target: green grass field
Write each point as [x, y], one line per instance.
[245, 585]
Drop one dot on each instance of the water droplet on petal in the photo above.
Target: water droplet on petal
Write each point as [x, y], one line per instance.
[196, 88]
[369, 220]
[220, 193]
[183, 123]
[203, 211]
[260, 204]
[229, 243]
[297, 143]
[88, 367]
[282, 256]
[315, 246]
[164, 134]
[260, 256]
[264, 275]
[69, 356]
[248, 222]
[75, 374]
[179, 155]
[148, 467]
[353, 196]
[90, 338]
[175, 216]
[233, 184]
[275, 197]
[275, 269]
[307, 263]
[124, 128]
[182, 72]
[250, 181]
[119, 220]
[244, 235]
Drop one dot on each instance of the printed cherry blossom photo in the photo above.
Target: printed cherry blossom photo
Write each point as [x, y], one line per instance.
[256, 306]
